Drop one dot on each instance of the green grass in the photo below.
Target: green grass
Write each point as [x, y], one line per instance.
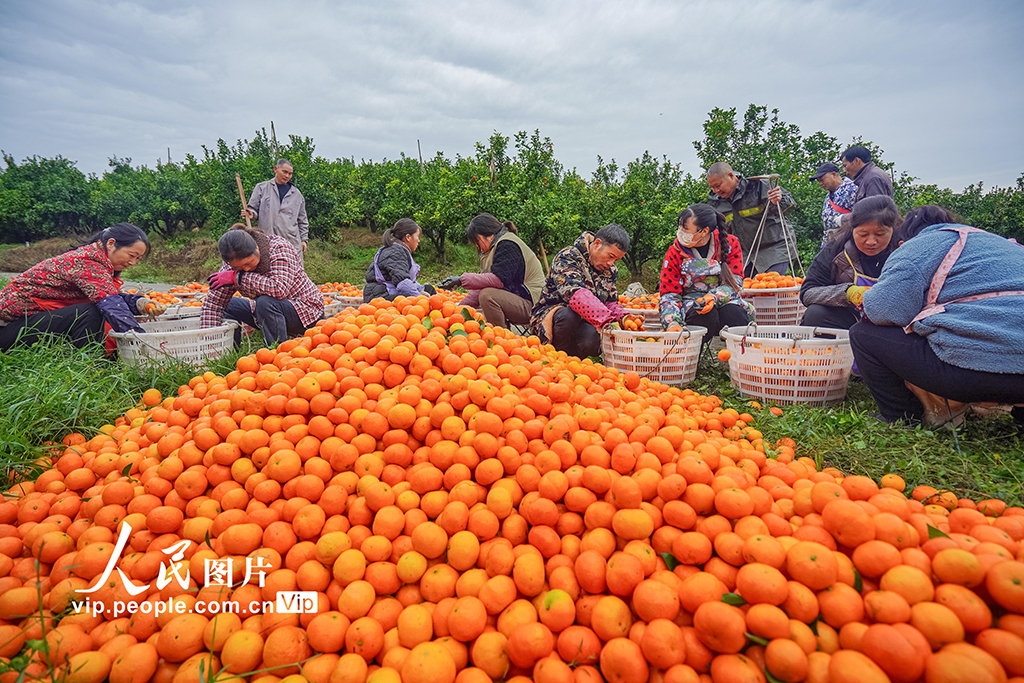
[983, 458]
[51, 389]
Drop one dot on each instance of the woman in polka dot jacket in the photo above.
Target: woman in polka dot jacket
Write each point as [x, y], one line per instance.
[695, 287]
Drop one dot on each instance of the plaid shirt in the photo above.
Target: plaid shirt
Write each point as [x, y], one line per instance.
[286, 280]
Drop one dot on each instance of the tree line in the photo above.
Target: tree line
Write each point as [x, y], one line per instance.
[516, 178]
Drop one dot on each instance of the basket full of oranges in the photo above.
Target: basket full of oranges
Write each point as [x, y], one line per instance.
[667, 357]
[776, 298]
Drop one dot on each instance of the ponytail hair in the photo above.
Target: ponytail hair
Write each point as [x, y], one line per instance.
[706, 217]
[486, 225]
[399, 231]
[237, 243]
[123, 234]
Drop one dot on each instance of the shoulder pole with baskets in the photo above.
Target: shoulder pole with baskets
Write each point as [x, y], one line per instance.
[791, 248]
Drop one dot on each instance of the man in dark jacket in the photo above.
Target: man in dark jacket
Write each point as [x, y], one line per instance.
[743, 202]
[870, 179]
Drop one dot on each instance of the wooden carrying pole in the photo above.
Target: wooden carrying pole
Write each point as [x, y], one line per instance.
[241, 196]
[543, 253]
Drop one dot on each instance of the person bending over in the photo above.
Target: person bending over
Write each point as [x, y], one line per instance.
[277, 297]
[579, 296]
[946, 318]
[77, 294]
[510, 278]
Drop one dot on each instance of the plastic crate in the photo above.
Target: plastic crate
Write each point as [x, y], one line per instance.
[333, 309]
[188, 297]
[671, 358]
[172, 324]
[789, 364]
[171, 339]
[652, 317]
[175, 312]
[775, 306]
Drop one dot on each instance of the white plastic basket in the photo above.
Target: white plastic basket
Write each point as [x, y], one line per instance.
[175, 312]
[173, 324]
[780, 306]
[652, 317]
[789, 364]
[172, 339]
[671, 358]
[333, 309]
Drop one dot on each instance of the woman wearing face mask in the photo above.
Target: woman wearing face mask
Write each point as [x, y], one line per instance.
[77, 294]
[277, 297]
[850, 263]
[510, 278]
[393, 271]
[701, 275]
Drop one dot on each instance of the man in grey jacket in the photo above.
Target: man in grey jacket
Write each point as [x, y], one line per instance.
[280, 208]
[870, 179]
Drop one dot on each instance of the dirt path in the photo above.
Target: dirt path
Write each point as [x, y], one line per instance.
[128, 284]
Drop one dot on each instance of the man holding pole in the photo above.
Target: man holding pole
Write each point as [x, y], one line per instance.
[280, 208]
[744, 203]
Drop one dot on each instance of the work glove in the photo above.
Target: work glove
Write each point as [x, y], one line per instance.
[708, 300]
[149, 307]
[451, 282]
[223, 278]
[855, 294]
[613, 325]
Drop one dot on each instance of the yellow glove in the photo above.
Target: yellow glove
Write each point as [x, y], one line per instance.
[855, 294]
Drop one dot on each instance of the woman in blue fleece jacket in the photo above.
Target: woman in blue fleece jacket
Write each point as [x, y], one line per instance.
[947, 316]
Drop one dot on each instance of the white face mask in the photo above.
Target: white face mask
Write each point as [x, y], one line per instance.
[688, 239]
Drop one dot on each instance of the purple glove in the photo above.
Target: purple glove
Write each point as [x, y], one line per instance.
[223, 278]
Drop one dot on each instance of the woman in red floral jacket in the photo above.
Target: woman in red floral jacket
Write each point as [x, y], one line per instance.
[701, 275]
[76, 294]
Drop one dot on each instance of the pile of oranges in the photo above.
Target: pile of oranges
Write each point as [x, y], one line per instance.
[771, 280]
[469, 506]
[633, 323]
[647, 301]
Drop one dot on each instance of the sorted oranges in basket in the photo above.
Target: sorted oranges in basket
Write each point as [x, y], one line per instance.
[647, 301]
[771, 280]
[341, 289]
[634, 323]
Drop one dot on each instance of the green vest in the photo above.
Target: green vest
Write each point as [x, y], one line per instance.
[533, 278]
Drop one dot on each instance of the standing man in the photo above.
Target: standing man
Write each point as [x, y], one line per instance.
[839, 200]
[280, 208]
[870, 179]
[743, 202]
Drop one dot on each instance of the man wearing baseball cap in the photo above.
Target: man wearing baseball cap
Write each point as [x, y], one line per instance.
[838, 201]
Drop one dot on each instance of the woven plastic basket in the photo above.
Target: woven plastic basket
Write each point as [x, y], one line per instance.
[169, 339]
[172, 324]
[671, 358]
[789, 364]
[188, 297]
[652, 317]
[333, 309]
[176, 312]
[775, 306]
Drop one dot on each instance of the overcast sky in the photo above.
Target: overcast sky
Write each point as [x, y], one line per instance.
[937, 84]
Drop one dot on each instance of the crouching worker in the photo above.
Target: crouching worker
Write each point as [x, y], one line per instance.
[701, 274]
[579, 296]
[77, 294]
[393, 271]
[944, 326]
[510, 279]
[277, 297]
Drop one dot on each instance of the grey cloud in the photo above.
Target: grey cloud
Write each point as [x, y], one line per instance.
[933, 83]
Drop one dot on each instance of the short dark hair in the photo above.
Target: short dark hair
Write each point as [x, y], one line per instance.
[402, 228]
[719, 169]
[615, 235]
[236, 243]
[283, 162]
[857, 152]
[920, 218]
[485, 225]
